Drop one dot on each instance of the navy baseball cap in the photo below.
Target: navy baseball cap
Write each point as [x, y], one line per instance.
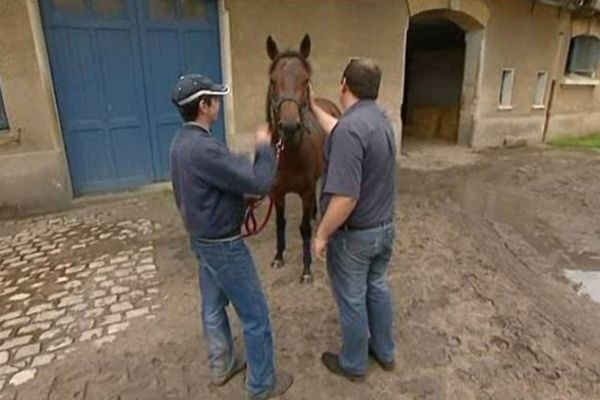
[193, 86]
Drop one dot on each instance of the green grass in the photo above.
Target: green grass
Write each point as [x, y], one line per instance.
[586, 142]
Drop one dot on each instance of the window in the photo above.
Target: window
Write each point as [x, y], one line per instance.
[163, 9]
[194, 9]
[109, 8]
[3, 117]
[583, 56]
[74, 7]
[178, 9]
[506, 86]
[539, 96]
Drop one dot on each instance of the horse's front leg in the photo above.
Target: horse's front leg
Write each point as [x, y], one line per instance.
[308, 207]
[279, 200]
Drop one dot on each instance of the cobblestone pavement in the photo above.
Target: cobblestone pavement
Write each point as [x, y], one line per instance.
[66, 281]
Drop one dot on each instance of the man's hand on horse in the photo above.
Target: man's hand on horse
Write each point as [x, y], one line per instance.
[311, 97]
[319, 247]
[263, 134]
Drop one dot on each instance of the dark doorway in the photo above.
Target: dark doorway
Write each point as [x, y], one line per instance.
[435, 61]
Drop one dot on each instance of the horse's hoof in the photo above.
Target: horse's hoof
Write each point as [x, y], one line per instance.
[277, 263]
[306, 278]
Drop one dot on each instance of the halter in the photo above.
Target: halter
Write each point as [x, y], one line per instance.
[276, 103]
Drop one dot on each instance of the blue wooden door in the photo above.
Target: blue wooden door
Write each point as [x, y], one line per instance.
[178, 37]
[113, 67]
[97, 68]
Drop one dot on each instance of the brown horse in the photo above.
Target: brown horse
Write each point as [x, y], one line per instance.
[300, 140]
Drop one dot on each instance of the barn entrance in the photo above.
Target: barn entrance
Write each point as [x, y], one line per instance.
[443, 52]
[435, 58]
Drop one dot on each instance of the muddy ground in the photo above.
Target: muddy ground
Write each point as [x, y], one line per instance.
[483, 310]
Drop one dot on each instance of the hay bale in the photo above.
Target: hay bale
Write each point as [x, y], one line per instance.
[448, 127]
[425, 122]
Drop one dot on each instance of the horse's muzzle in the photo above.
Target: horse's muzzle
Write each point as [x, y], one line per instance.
[289, 127]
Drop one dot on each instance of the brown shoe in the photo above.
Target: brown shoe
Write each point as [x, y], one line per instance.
[282, 383]
[239, 366]
[331, 361]
[386, 366]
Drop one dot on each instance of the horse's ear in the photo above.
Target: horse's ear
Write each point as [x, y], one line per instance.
[272, 49]
[305, 46]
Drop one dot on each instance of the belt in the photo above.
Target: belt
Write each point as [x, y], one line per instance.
[228, 237]
[350, 227]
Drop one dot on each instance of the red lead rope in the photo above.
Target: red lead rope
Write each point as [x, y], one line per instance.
[250, 222]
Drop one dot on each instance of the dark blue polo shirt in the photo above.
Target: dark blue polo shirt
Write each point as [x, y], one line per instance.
[209, 182]
[360, 160]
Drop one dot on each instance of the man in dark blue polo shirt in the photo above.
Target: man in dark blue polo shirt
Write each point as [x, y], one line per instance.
[356, 231]
[210, 185]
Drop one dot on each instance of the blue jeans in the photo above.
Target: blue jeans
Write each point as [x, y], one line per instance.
[357, 263]
[228, 274]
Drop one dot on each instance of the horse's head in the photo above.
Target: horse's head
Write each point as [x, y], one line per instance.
[287, 100]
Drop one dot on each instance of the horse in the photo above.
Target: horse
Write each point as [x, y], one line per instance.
[299, 139]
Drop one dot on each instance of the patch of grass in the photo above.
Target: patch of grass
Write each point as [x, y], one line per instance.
[586, 142]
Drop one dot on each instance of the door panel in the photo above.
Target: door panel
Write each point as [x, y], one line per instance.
[114, 63]
[177, 38]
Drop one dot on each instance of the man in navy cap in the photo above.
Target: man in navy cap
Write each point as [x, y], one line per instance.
[210, 185]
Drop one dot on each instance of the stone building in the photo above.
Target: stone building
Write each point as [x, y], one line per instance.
[84, 84]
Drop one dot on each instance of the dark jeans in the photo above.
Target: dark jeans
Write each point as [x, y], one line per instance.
[228, 274]
[357, 263]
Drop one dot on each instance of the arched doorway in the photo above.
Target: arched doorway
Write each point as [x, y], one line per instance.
[443, 52]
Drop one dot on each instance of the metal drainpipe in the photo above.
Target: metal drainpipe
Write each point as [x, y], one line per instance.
[556, 68]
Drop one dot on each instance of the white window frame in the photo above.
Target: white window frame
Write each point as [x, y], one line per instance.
[539, 91]
[505, 93]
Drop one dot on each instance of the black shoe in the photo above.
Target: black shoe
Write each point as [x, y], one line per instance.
[386, 366]
[239, 366]
[282, 383]
[332, 363]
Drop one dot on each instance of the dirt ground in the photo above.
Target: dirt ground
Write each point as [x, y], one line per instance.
[483, 310]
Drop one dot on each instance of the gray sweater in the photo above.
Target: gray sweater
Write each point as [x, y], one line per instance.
[209, 182]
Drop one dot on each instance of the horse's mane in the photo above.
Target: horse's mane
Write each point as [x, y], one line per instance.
[284, 54]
